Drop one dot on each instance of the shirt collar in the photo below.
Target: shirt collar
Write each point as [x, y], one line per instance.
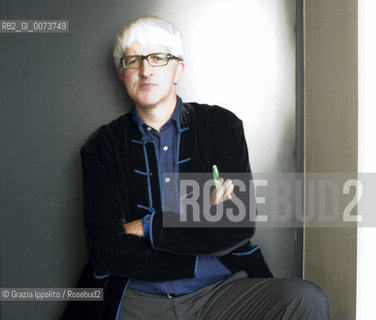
[175, 117]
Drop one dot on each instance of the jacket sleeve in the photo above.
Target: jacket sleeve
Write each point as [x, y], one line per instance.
[111, 250]
[231, 155]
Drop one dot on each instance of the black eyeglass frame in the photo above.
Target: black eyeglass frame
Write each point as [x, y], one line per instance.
[169, 57]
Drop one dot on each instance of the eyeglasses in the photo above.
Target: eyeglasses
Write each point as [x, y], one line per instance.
[154, 59]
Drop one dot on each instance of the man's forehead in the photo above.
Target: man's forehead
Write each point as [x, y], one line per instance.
[144, 49]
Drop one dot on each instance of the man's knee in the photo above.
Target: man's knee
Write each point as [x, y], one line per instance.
[307, 298]
[312, 293]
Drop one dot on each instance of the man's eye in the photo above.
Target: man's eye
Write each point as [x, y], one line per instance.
[132, 61]
[158, 58]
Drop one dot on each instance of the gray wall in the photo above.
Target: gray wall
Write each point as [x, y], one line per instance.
[331, 140]
[55, 89]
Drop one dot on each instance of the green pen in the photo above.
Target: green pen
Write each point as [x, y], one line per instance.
[216, 177]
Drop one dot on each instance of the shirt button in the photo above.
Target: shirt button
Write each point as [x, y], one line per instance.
[167, 180]
[148, 129]
[165, 148]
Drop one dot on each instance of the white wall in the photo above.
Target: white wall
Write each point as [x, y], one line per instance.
[366, 261]
[258, 82]
[257, 38]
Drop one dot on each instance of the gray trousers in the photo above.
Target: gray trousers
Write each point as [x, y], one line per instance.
[236, 298]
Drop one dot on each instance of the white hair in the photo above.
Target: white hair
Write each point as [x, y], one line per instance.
[148, 31]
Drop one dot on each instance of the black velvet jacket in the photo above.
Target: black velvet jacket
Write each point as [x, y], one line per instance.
[121, 183]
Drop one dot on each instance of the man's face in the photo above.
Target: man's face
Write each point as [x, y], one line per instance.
[151, 86]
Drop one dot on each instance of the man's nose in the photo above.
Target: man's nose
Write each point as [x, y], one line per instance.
[146, 69]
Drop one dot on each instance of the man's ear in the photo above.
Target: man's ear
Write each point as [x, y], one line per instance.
[120, 74]
[179, 71]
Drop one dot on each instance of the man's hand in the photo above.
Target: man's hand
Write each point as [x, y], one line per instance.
[223, 193]
[134, 227]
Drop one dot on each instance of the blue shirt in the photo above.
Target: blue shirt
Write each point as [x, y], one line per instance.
[208, 269]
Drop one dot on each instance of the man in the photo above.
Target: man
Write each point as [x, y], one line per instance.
[149, 271]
